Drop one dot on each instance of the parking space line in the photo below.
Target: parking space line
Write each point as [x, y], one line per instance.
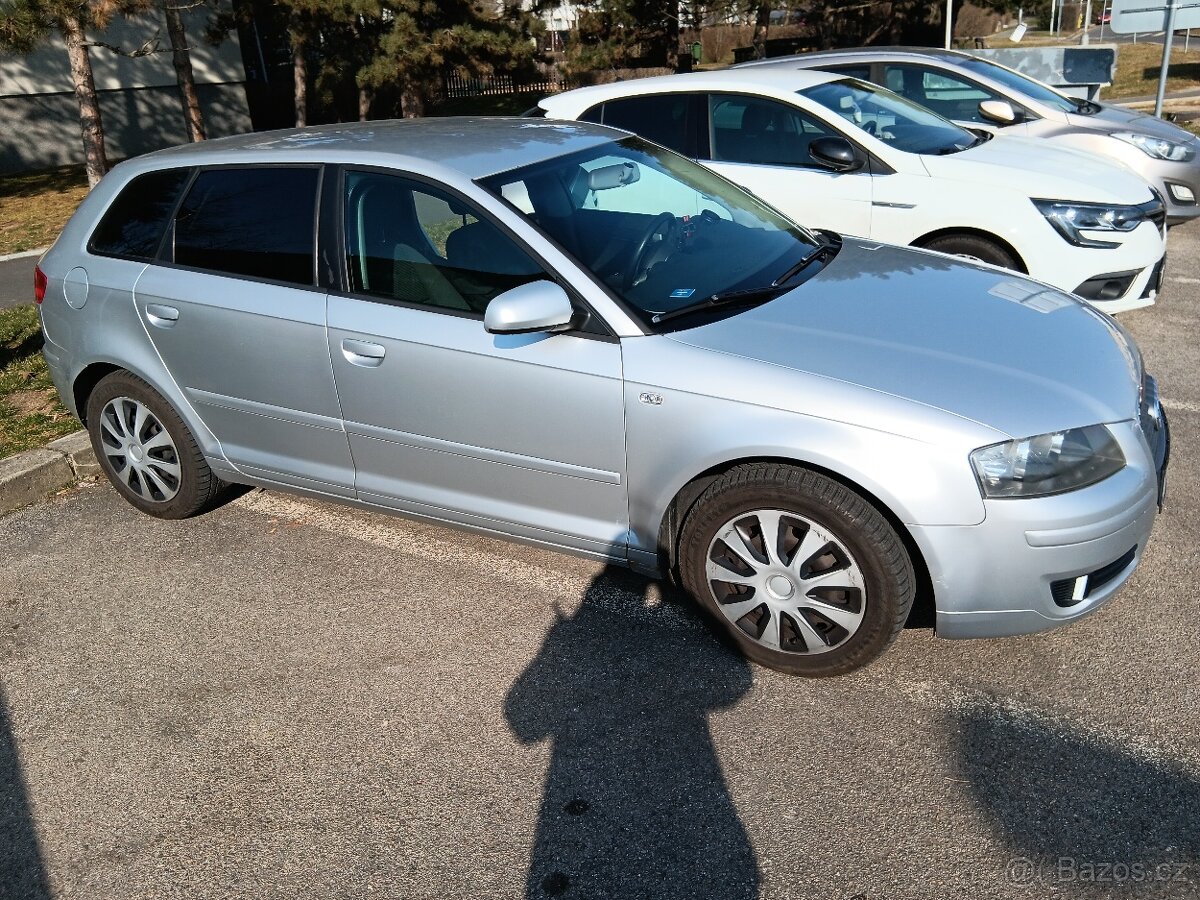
[1181, 406]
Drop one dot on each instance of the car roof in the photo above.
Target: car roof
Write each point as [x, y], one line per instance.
[771, 79]
[935, 52]
[474, 147]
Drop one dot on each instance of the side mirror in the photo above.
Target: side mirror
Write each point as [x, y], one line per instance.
[835, 153]
[534, 307]
[999, 111]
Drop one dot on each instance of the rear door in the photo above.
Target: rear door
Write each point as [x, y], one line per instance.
[763, 145]
[234, 309]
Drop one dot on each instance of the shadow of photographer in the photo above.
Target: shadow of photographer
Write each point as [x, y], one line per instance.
[635, 803]
[22, 873]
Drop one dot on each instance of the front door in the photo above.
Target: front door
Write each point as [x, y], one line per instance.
[762, 144]
[520, 433]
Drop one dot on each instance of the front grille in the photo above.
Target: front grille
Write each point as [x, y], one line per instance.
[1063, 590]
[1155, 210]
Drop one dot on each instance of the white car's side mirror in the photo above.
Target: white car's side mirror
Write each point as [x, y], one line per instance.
[999, 111]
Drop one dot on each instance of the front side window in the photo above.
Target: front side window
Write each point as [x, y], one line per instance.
[258, 222]
[891, 118]
[766, 132]
[133, 226]
[947, 95]
[410, 242]
[660, 231]
[1022, 84]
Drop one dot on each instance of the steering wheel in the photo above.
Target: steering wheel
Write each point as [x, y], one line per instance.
[665, 228]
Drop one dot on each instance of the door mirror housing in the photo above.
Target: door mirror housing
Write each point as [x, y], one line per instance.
[999, 111]
[540, 306]
[835, 153]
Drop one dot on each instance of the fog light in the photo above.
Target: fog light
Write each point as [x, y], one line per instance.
[1181, 193]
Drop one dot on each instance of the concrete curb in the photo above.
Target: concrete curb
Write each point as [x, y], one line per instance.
[30, 476]
[24, 254]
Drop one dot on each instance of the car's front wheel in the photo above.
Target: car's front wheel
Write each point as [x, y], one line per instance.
[147, 451]
[802, 573]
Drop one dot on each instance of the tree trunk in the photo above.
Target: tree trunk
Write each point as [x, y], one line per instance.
[300, 76]
[193, 118]
[412, 101]
[761, 24]
[364, 103]
[90, 124]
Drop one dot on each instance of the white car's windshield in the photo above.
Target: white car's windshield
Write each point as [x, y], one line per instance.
[890, 118]
[660, 231]
[1022, 85]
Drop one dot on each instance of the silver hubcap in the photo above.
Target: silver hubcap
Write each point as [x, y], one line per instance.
[786, 582]
[139, 450]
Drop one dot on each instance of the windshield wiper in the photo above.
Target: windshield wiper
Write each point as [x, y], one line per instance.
[750, 295]
[807, 259]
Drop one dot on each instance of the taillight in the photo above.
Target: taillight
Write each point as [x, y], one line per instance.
[39, 285]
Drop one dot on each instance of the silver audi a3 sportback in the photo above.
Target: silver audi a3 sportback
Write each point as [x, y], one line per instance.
[566, 335]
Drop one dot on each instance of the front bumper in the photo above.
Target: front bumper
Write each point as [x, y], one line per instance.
[1035, 564]
[1137, 257]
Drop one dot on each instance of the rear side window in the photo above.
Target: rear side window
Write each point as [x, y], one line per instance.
[133, 225]
[661, 118]
[258, 222]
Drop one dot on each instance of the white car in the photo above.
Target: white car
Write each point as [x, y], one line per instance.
[852, 157]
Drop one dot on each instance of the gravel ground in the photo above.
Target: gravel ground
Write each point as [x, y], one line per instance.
[284, 698]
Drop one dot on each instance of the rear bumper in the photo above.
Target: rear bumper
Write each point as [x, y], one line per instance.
[1033, 565]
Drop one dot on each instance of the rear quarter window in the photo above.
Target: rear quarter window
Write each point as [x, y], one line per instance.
[133, 225]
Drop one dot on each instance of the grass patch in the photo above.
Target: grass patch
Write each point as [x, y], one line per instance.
[35, 206]
[30, 414]
[1139, 65]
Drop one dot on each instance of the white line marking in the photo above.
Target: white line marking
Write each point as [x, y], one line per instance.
[1181, 405]
[437, 544]
[23, 254]
[1184, 279]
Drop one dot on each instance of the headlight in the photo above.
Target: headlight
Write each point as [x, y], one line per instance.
[1159, 148]
[1069, 219]
[1047, 464]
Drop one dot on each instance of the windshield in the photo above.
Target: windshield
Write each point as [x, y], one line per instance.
[1015, 81]
[661, 231]
[890, 118]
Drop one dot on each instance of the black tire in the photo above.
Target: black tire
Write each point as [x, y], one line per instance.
[974, 246]
[881, 557]
[197, 486]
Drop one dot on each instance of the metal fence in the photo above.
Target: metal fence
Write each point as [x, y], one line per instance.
[455, 85]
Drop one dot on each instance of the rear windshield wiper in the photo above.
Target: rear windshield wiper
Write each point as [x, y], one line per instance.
[750, 295]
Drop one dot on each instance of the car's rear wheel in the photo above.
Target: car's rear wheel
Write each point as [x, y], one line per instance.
[147, 451]
[974, 247]
[802, 573]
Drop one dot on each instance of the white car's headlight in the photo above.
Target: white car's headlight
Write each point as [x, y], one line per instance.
[1069, 219]
[1159, 148]
[1048, 463]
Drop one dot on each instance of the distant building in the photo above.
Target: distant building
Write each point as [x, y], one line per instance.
[139, 98]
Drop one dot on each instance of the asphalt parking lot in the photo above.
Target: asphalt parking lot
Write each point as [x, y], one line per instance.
[288, 699]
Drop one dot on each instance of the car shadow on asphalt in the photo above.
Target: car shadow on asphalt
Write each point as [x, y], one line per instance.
[22, 873]
[1081, 813]
[635, 803]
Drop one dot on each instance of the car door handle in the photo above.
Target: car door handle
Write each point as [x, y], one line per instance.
[363, 353]
[162, 316]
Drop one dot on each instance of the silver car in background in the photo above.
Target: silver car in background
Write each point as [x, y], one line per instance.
[975, 92]
[566, 335]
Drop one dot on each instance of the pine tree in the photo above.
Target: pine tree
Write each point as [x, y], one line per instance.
[424, 39]
[181, 55]
[26, 25]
